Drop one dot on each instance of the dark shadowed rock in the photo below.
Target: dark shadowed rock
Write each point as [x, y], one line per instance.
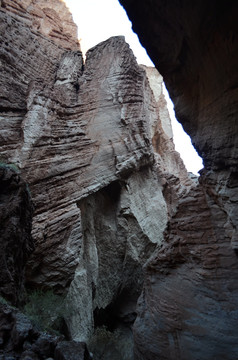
[71, 350]
[45, 345]
[111, 195]
[194, 46]
[16, 243]
[189, 302]
[29, 355]
[19, 339]
[188, 308]
[16, 331]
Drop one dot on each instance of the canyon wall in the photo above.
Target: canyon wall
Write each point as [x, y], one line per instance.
[188, 307]
[194, 47]
[116, 214]
[93, 141]
[16, 243]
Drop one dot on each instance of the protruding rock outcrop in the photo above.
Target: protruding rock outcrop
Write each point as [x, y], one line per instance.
[189, 302]
[110, 193]
[194, 46]
[91, 140]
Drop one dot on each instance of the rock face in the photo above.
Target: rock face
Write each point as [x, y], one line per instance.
[84, 152]
[20, 339]
[189, 302]
[194, 47]
[16, 243]
[30, 62]
[111, 195]
[90, 140]
[52, 20]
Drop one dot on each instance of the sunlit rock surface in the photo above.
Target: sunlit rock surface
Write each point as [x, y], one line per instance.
[50, 19]
[91, 141]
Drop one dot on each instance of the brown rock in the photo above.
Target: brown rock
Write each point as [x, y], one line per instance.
[189, 296]
[90, 140]
[193, 46]
[29, 60]
[84, 151]
[188, 305]
[53, 20]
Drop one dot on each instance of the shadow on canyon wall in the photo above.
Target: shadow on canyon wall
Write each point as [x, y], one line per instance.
[116, 215]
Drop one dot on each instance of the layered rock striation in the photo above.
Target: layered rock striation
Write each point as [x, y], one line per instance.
[93, 141]
[52, 20]
[194, 47]
[189, 300]
[30, 61]
[188, 305]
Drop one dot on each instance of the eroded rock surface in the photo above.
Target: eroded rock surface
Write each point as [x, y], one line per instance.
[189, 300]
[31, 62]
[51, 19]
[93, 134]
[21, 339]
[194, 46]
[188, 305]
[90, 139]
[16, 243]
[118, 238]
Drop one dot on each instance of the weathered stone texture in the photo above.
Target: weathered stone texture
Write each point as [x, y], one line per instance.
[173, 174]
[189, 300]
[194, 46]
[188, 308]
[94, 134]
[30, 64]
[90, 139]
[16, 243]
[122, 225]
[51, 19]
[20, 339]
[93, 142]
[26, 57]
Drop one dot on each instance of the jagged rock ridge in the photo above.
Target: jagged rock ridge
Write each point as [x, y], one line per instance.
[92, 142]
